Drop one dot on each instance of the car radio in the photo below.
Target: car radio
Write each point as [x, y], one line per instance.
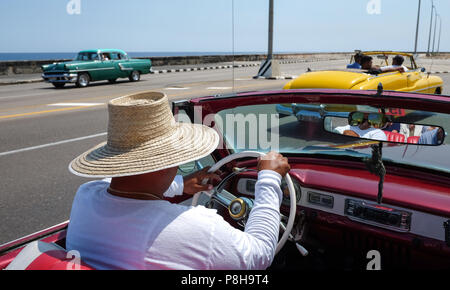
[378, 215]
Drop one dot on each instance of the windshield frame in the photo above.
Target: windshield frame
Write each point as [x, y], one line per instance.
[392, 99]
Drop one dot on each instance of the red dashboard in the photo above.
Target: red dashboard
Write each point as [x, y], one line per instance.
[328, 190]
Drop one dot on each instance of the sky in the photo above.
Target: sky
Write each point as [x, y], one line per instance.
[218, 25]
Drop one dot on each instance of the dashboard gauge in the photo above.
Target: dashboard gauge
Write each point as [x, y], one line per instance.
[285, 190]
[246, 186]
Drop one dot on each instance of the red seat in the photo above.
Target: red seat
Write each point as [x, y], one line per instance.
[413, 139]
[394, 137]
[39, 255]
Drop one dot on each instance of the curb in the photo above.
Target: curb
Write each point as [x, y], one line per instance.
[439, 72]
[21, 82]
[237, 66]
[276, 78]
[200, 68]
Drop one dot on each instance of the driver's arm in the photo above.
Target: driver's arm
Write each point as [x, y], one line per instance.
[392, 69]
[253, 249]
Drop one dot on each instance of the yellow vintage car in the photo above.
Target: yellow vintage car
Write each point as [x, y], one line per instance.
[415, 79]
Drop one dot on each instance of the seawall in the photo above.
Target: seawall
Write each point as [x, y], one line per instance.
[11, 68]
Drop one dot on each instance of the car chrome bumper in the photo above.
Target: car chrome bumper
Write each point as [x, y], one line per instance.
[60, 78]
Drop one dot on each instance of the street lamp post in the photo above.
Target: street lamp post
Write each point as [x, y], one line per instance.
[435, 24]
[270, 47]
[431, 25]
[270, 68]
[439, 37]
[417, 28]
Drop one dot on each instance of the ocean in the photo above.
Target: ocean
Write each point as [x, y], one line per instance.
[72, 55]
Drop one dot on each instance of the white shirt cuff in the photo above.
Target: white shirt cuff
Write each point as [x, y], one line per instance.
[275, 176]
[176, 188]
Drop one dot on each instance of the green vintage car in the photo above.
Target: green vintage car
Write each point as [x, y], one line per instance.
[96, 65]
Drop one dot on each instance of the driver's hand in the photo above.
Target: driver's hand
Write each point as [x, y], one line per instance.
[193, 182]
[274, 161]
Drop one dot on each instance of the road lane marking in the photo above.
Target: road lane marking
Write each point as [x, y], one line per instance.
[43, 112]
[75, 104]
[218, 88]
[77, 100]
[177, 94]
[176, 88]
[23, 96]
[52, 144]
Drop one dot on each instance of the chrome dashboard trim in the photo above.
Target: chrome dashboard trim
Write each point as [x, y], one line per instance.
[422, 224]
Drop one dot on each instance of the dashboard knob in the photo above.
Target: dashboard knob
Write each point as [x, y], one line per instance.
[393, 219]
[357, 210]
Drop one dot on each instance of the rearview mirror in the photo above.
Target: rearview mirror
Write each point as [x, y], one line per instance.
[381, 127]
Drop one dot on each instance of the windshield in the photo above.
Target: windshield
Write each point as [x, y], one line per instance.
[87, 56]
[387, 60]
[300, 129]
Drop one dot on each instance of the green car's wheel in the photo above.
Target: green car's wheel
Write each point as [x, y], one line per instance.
[83, 80]
[58, 85]
[135, 76]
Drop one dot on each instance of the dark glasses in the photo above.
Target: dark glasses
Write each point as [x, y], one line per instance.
[376, 120]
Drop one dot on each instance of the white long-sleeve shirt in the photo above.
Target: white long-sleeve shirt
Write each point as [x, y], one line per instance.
[112, 232]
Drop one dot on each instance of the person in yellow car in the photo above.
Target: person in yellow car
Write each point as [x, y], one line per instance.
[397, 64]
[357, 63]
[367, 64]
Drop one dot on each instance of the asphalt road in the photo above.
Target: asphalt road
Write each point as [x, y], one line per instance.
[42, 129]
[36, 188]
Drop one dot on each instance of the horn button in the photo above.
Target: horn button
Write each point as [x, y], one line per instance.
[240, 207]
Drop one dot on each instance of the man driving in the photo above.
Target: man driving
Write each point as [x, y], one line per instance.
[127, 224]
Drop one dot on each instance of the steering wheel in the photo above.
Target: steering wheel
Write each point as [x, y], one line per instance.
[290, 185]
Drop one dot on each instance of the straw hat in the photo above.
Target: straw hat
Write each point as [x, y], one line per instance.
[144, 137]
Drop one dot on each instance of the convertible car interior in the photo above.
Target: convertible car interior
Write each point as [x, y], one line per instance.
[350, 202]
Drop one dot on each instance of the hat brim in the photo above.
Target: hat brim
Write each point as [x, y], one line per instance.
[189, 142]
